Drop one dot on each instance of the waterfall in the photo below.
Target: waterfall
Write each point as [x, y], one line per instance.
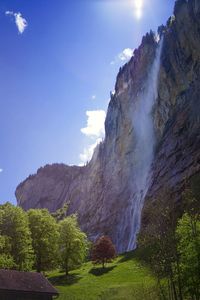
[145, 142]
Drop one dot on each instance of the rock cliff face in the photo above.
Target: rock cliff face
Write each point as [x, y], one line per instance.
[159, 88]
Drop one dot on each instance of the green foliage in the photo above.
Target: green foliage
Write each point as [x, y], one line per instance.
[5, 244]
[188, 233]
[44, 233]
[6, 260]
[124, 279]
[159, 239]
[173, 244]
[61, 213]
[34, 239]
[17, 244]
[73, 244]
[191, 201]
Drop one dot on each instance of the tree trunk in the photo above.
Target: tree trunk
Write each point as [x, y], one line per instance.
[179, 277]
[174, 289]
[39, 265]
[169, 290]
[162, 294]
[103, 264]
[66, 267]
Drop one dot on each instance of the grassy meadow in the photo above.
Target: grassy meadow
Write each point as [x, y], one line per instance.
[125, 278]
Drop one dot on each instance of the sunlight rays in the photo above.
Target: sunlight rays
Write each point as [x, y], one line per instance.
[138, 8]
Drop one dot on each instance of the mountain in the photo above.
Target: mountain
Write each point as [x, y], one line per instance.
[152, 138]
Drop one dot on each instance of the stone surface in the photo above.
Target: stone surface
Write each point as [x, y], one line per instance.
[101, 191]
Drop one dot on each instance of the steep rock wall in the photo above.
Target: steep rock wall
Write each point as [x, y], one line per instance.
[102, 192]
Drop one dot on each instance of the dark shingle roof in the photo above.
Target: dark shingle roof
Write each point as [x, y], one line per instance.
[25, 282]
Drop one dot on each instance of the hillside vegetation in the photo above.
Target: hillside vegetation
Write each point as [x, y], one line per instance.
[125, 278]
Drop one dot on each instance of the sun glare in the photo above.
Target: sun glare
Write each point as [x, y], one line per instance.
[138, 8]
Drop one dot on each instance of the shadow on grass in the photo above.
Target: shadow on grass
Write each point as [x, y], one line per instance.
[65, 280]
[128, 256]
[101, 271]
[140, 255]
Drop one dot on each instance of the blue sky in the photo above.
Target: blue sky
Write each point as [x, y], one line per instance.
[58, 63]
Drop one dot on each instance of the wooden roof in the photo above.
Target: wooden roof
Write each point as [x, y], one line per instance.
[32, 282]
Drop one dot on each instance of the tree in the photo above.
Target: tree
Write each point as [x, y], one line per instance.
[44, 232]
[14, 225]
[73, 243]
[188, 233]
[159, 243]
[6, 260]
[103, 251]
[171, 244]
[61, 213]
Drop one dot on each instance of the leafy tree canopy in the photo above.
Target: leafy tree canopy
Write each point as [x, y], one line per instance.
[103, 251]
[44, 233]
[16, 240]
[188, 234]
[72, 243]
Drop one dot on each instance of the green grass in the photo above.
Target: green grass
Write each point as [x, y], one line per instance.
[125, 278]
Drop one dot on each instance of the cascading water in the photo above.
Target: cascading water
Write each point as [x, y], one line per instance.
[145, 142]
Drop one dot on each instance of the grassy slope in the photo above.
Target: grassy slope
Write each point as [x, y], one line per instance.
[125, 278]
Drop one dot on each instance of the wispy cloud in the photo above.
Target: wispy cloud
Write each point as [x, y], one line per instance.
[93, 97]
[123, 56]
[95, 131]
[20, 22]
[1, 170]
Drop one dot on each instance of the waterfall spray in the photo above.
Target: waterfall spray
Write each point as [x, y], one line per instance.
[145, 142]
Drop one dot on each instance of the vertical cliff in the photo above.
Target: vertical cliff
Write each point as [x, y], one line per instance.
[152, 137]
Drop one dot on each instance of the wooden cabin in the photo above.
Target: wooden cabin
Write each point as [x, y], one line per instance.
[15, 285]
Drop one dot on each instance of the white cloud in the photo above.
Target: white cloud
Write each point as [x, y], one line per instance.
[93, 97]
[95, 123]
[95, 130]
[20, 22]
[1, 170]
[88, 152]
[124, 56]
